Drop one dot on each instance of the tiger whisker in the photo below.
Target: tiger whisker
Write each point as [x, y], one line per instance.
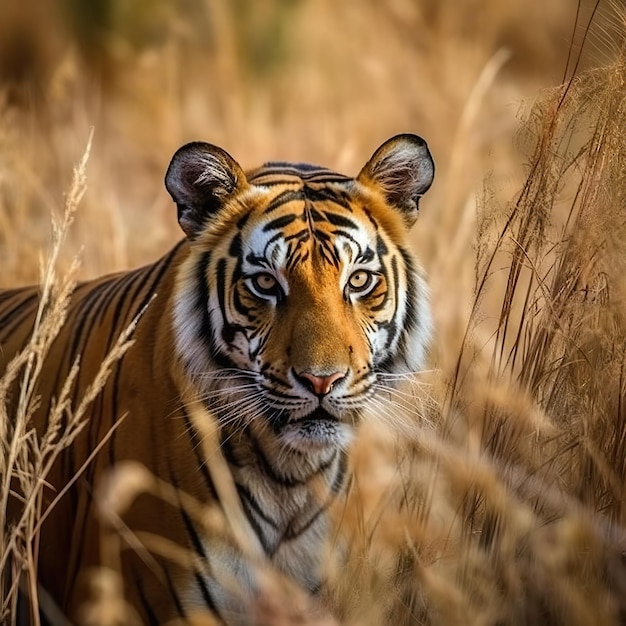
[405, 395]
[397, 420]
[404, 375]
[178, 411]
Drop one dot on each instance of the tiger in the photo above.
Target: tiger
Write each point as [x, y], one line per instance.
[293, 291]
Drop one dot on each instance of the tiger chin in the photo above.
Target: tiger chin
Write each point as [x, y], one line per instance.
[292, 293]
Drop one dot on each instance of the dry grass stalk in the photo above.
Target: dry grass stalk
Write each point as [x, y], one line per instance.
[27, 456]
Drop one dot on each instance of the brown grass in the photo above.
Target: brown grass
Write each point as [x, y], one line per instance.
[26, 455]
[511, 510]
[491, 489]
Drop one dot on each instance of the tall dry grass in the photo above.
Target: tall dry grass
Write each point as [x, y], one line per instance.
[27, 454]
[489, 490]
[510, 510]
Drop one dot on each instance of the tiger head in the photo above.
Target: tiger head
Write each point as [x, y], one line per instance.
[300, 289]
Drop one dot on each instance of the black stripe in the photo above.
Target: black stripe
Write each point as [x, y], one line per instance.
[381, 247]
[196, 542]
[337, 485]
[143, 277]
[205, 332]
[314, 214]
[326, 249]
[258, 531]
[198, 546]
[324, 237]
[199, 549]
[200, 460]
[228, 330]
[301, 170]
[145, 604]
[266, 467]
[326, 178]
[295, 259]
[235, 246]
[284, 198]
[5, 294]
[240, 307]
[280, 222]
[396, 277]
[93, 429]
[78, 528]
[242, 220]
[73, 322]
[174, 593]
[82, 330]
[221, 288]
[164, 265]
[292, 533]
[258, 259]
[339, 220]
[8, 330]
[120, 294]
[300, 166]
[410, 318]
[384, 297]
[338, 232]
[14, 309]
[80, 324]
[86, 314]
[228, 451]
[327, 194]
[274, 182]
[124, 298]
[222, 360]
[365, 256]
[274, 168]
[247, 498]
[392, 325]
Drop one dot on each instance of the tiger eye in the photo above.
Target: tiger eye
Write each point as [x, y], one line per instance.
[360, 280]
[265, 282]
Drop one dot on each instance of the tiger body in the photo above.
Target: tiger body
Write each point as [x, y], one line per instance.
[293, 290]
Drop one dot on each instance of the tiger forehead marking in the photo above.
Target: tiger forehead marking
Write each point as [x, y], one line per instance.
[330, 231]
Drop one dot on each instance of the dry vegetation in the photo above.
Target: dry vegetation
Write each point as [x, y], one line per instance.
[491, 489]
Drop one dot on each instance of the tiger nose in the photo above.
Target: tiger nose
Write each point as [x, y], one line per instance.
[320, 385]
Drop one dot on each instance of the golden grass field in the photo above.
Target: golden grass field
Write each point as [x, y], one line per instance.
[495, 492]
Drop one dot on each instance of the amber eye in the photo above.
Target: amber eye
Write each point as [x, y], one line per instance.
[265, 284]
[361, 281]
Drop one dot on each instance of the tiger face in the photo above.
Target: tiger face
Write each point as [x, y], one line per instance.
[300, 289]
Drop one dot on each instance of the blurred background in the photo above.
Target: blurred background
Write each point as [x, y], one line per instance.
[305, 80]
[502, 512]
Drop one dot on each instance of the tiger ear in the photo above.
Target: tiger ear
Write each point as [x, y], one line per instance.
[403, 169]
[200, 178]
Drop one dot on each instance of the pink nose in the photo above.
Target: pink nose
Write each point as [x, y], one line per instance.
[322, 384]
